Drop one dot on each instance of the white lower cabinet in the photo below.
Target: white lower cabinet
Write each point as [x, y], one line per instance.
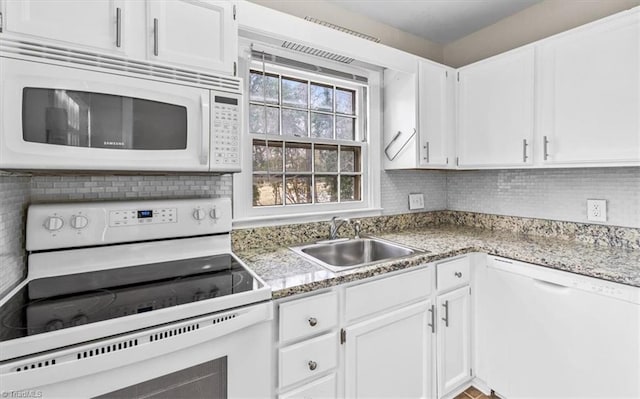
[384, 337]
[454, 339]
[390, 356]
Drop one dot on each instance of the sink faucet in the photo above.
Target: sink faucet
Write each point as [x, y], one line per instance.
[335, 226]
[356, 229]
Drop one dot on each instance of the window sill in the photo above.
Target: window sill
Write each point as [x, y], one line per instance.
[276, 220]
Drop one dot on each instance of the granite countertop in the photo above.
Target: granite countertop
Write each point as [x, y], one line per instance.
[288, 273]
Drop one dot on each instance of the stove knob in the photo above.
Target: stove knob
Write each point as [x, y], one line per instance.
[79, 222]
[53, 325]
[199, 214]
[53, 223]
[79, 320]
[199, 295]
[213, 214]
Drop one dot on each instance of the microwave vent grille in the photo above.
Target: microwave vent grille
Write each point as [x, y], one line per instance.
[113, 63]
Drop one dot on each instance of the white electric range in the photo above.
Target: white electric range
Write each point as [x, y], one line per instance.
[135, 299]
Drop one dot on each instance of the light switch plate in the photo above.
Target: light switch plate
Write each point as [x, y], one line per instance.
[597, 210]
[416, 201]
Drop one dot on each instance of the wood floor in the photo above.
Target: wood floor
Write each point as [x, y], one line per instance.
[473, 393]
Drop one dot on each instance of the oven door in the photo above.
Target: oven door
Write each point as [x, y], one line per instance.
[56, 117]
[224, 355]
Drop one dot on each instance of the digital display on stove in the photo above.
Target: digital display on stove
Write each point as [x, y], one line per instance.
[145, 214]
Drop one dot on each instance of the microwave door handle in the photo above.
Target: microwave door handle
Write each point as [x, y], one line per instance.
[204, 132]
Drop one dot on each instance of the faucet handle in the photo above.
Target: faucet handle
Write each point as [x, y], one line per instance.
[356, 229]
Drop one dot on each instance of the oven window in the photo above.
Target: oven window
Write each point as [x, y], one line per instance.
[206, 380]
[85, 119]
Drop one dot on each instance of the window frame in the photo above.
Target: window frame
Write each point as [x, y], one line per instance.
[368, 128]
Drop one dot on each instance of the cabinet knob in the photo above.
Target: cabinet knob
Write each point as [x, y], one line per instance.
[313, 321]
[458, 274]
[312, 365]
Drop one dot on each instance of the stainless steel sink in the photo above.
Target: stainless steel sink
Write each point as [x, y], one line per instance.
[342, 255]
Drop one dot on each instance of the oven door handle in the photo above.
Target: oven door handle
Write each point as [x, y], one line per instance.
[71, 364]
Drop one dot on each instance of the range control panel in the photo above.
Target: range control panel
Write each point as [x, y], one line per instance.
[225, 132]
[54, 226]
[128, 217]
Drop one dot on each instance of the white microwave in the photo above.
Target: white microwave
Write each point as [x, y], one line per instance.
[65, 116]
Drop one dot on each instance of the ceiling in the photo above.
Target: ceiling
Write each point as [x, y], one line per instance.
[440, 21]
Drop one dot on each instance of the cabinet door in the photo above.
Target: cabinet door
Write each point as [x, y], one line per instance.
[390, 356]
[400, 120]
[195, 33]
[97, 24]
[496, 111]
[590, 86]
[435, 115]
[454, 339]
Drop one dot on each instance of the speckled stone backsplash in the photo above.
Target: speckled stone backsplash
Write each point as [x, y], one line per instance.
[278, 236]
[285, 235]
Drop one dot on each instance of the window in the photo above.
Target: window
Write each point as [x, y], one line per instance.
[307, 139]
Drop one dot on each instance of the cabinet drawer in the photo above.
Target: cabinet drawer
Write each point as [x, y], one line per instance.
[304, 317]
[369, 298]
[453, 273]
[308, 359]
[323, 388]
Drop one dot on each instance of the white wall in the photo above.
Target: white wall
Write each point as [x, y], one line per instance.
[534, 23]
[328, 12]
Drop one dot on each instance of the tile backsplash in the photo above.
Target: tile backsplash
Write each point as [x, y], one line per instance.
[556, 194]
[395, 187]
[18, 191]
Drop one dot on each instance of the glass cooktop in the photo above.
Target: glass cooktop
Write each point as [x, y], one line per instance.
[60, 302]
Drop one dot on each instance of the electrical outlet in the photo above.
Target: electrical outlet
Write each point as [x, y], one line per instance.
[416, 201]
[597, 210]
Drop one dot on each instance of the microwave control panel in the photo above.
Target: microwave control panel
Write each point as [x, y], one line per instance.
[225, 132]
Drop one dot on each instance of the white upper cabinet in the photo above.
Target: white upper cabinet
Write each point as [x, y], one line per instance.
[191, 34]
[198, 33]
[418, 118]
[98, 24]
[590, 93]
[435, 115]
[496, 111]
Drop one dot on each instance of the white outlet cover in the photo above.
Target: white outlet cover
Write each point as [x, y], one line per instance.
[597, 210]
[416, 201]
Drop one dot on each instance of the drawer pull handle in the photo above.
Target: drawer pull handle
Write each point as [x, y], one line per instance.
[313, 321]
[458, 274]
[312, 365]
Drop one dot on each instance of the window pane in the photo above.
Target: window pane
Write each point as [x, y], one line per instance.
[294, 123]
[345, 128]
[298, 157]
[345, 101]
[326, 158]
[298, 189]
[258, 90]
[349, 159]
[321, 125]
[257, 119]
[326, 189]
[322, 97]
[294, 93]
[267, 190]
[267, 157]
[350, 188]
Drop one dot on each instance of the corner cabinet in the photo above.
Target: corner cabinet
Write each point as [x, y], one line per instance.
[496, 111]
[418, 117]
[590, 93]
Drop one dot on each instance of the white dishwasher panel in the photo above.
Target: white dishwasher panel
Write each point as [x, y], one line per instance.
[565, 336]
